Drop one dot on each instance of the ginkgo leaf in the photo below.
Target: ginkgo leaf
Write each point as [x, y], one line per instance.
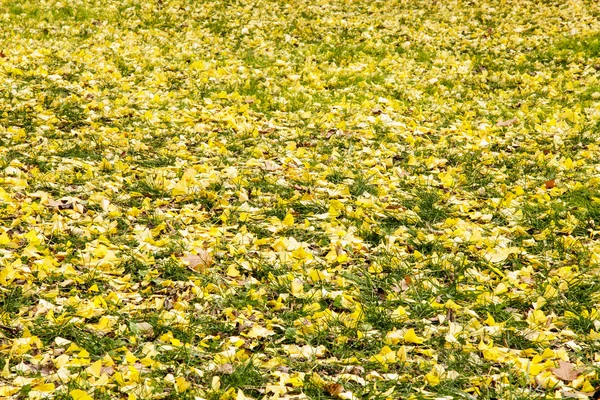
[78, 394]
[411, 337]
[501, 254]
[259, 332]
[288, 220]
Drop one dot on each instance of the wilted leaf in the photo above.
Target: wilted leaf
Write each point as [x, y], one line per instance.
[575, 394]
[198, 262]
[508, 122]
[566, 371]
[334, 389]
[225, 369]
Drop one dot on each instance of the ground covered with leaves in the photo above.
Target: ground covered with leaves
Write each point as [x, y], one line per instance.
[299, 200]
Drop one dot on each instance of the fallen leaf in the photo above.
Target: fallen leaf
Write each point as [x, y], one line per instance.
[78, 394]
[334, 389]
[576, 394]
[225, 369]
[565, 371]
[62, 204]
[271, 166]
[501, 254]
[550, 184]
[411, 337]
[198, 262]
[141, 327]
[508, 122]
[259, 332]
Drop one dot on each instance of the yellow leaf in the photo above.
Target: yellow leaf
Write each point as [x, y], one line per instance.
[432, 379]
[6, 370]
[232, 271]
[288, 220]
[46, 387]
[501, 254]
[78, 394]
[259, 331]
[95, 368]
[181, 188]
[4, 239]
[411, 337]
[297, 287]
[7, 275]
[6, 391]
[181, 384]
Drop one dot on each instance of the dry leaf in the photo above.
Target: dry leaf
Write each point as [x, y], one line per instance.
[334, 389]
[565, 371]
[508, 122]
[107, 370]
[198, 262]
[576, 394]
[225, 369]
[271, 166]
[62, 204]
[550, 184]
[141, 327]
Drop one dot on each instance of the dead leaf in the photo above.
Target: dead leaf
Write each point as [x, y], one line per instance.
[141, 327]
[198, 262]
[62, 204]
[225, 369]
[576, 394]
[508, 122]
[354, 370]
[271, 166]
[565, 371]
[334, 389]
[394, 207]
[107, 370]
[550, 184]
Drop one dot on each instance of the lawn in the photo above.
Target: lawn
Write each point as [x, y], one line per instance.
[303, 199]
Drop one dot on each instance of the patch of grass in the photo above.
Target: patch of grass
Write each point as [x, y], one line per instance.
[362, 185]
[97, 344]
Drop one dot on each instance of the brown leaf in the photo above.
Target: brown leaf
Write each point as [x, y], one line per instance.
[565, 371]
[575, 394]
[550, 184]
[198, 262]
[508, 122]
[62, 204]
[354, 370]
[107, 370]
[334, 389]
[225, 369]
